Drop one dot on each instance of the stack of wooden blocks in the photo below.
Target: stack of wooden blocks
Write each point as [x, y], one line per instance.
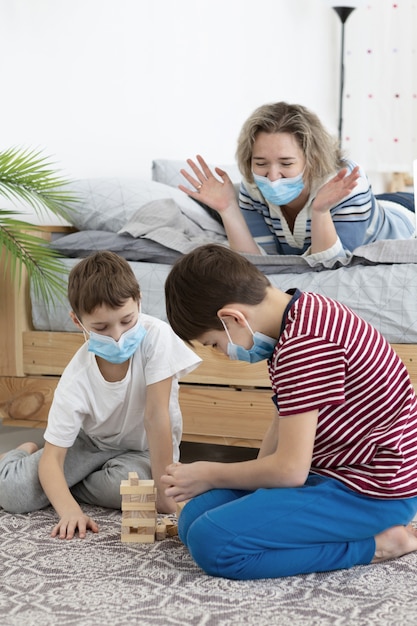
[139, 514]
[138, 509]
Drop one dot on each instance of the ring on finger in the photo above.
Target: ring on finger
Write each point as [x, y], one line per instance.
[199, 187]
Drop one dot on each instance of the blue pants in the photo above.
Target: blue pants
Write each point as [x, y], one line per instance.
[269, 533]
[404, 198]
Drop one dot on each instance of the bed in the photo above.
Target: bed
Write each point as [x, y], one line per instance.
[152, 223]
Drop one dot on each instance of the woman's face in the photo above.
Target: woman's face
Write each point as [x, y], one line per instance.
[277, 155]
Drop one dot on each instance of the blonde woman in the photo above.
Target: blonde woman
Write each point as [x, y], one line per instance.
[299, 194]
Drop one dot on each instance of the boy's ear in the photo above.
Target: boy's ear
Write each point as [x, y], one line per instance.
[236, 315]
[75, 320]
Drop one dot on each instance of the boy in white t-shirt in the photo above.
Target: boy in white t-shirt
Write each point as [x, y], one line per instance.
[115, 408]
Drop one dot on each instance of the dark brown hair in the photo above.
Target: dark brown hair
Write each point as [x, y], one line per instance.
[101, 278]
[204, 281]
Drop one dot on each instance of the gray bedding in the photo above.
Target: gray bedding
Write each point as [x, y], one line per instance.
[151, 223]
[379, 282]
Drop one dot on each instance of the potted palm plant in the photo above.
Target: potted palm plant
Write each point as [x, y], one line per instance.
[27, 177]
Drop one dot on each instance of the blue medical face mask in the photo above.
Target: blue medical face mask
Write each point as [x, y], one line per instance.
[116, 351]
[263, 347]
[281, 191]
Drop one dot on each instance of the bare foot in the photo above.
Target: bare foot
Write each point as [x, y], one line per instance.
[395, 542]
[30, 447]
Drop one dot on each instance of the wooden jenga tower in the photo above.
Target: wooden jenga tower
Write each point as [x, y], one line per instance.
[139, 514]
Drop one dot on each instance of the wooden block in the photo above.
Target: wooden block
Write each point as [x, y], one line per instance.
[168, 522]
[180, 506]
[141, 534]
[134, 523]
[133, 478]
[126, 487]
[143, 530]
[172, 531]
[139, 498]
[138, 506]
[145, 518]
[148, 485]
[171, 527]
[138, 538]
[160, 532]
[139, 516]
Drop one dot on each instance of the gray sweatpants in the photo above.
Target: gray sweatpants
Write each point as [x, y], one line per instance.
[93, 475]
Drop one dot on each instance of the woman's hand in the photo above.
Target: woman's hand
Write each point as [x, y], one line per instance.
[208, 189]
[335, 190]
[183, 482]
[68, 524]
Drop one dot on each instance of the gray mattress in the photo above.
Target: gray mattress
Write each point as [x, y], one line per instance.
[383, 294]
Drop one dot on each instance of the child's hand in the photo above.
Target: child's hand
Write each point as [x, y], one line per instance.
[68, 524]
[183, 482]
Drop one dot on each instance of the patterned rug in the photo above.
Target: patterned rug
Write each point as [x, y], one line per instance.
[100, 581]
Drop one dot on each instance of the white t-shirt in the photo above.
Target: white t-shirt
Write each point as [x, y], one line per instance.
[112, 413]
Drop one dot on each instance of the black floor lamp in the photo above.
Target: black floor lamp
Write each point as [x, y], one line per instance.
[343, 11]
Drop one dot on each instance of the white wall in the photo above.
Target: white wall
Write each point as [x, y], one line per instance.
[105, 86]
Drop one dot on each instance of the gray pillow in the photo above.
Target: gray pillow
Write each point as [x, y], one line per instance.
[108, 203]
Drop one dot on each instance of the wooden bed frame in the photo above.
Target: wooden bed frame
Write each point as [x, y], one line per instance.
[222, 402]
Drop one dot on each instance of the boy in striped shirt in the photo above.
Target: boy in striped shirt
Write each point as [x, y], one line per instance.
[335, 481]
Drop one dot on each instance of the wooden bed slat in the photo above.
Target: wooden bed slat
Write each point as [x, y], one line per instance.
[225, 411]
[47, 353]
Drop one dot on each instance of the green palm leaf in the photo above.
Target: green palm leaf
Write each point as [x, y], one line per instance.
[26, 176]
[23, 248]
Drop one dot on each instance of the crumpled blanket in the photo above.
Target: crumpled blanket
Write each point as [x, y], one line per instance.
[163, 221]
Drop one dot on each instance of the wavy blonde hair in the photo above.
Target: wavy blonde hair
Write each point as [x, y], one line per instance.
[322, 152]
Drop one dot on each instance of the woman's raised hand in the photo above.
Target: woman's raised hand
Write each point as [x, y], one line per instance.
[335, 190]
[207, 188]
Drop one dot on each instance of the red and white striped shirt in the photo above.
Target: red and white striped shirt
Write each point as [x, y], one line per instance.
[328, 358]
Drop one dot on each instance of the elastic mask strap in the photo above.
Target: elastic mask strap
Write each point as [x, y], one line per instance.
[85, 331]
[227, 332]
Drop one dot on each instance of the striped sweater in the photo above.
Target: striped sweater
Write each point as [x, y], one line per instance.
[360, 218]
[328, 358]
